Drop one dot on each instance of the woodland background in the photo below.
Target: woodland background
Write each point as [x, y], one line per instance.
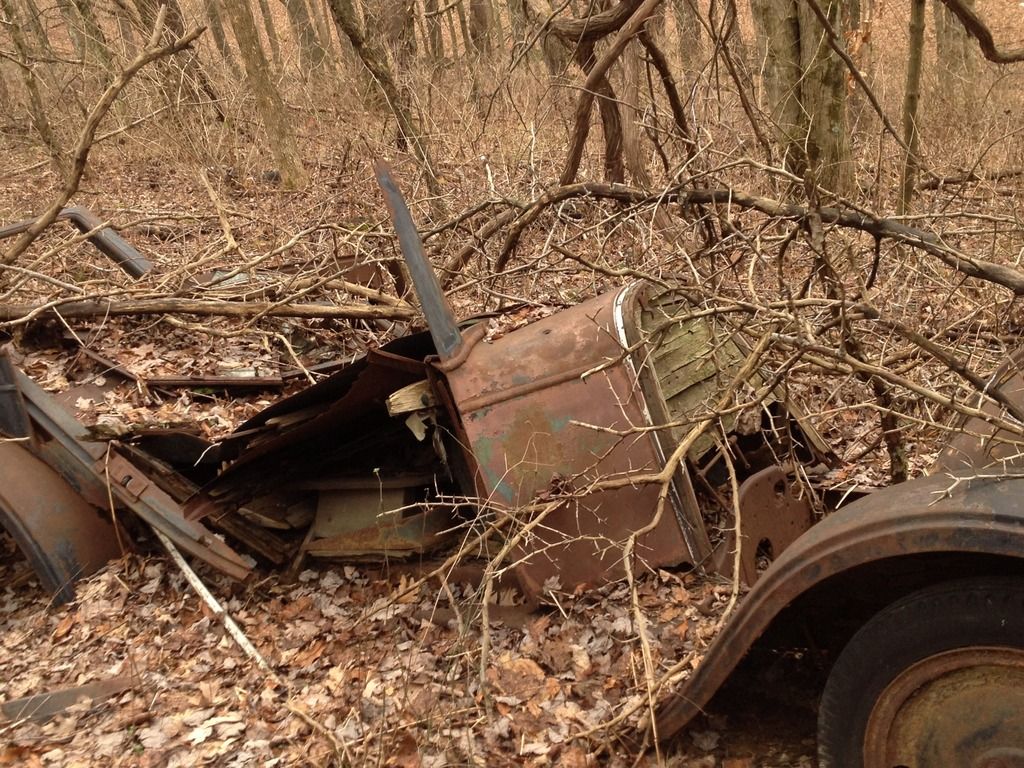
[842, 181]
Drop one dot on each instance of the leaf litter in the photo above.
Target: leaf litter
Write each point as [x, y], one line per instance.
[369, 672]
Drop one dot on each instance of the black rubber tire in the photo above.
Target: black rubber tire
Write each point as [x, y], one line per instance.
[944, 617]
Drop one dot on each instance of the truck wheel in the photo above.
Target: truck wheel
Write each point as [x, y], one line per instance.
[935, 679]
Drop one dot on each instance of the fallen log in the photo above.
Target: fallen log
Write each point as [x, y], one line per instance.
[77, 309]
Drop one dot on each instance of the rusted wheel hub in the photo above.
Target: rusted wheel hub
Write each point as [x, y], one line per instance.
[964, 707]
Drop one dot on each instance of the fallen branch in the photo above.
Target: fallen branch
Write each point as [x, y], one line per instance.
[882, 228]
[970, 178]
[14, 314]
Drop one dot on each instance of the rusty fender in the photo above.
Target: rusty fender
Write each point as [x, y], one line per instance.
[931, 515]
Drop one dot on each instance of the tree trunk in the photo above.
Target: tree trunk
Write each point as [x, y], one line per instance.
[435, 35]
[911, 97]
[823, 100]
[323, 30]
[72, 22]
[6, 103]
[480, 26]
[126, 23]
[271, 30]
[954, 48]
[283, 145]
[690, 35]
[804, 89]
[32, 22]
[196, 84]
[778, 38]
[467, 37]
[311, 52]
[375, 60]
[213, 17]
[36, 108]
[95, 41]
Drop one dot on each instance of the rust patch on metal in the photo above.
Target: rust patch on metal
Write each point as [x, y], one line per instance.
[40, 707]
[554, 407]
[63, 536]
[769, 514]
[961, 707]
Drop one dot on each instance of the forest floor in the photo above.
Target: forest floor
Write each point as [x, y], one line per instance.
[363, 669]
[363, 672]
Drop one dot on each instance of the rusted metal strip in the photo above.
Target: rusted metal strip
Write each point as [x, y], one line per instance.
[88, 465]
[106, 240]
[40, 707]
[440, 318]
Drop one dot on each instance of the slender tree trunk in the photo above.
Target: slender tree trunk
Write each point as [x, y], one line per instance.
[375, 60]
[311, 53]
[220, 39]
[35, 26]
[323, 30]
[271, 30]
[955, 50]
[467, 36]
[6, 103]
[911, 97]
[453, 35]
[73, 24]
[690, 34]
[435, 34]
[126, 23]
[271, 108]
[95, 41]
[480, 26]
[37, 110]
[399, 25]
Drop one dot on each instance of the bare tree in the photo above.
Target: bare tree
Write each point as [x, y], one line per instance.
[311, 52]
[954, 49]
[216, 23]
[283, 144]
[271, 29]
[37, 110]
[805, 89]
[911, 97]
[374, 58]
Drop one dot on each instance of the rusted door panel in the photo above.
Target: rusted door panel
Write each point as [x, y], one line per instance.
[555, 405]
[980, 444]
[63, 536]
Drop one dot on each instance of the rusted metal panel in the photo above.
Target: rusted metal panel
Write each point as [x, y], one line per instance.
[96, 470]
[40, 707]
[556, 405]
[929, 515]
[14, 421]
[963, 706]
[440, 319]
[769, 512]
[980, 444]
[63, 536]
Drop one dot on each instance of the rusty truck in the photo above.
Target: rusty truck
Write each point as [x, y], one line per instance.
[579, 430]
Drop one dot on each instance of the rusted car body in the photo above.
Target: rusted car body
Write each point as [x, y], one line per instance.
[563, 427]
